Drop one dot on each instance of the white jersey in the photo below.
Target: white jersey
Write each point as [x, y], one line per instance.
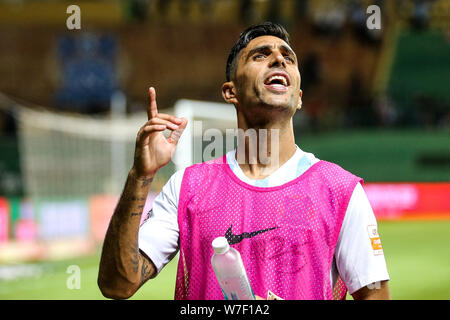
[357, 260]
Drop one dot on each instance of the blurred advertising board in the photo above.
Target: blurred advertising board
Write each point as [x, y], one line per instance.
[63, 228]
[409, 201]
[58, 219]
[22, 220]
[44, 229]
[4, 220]
[101, 208]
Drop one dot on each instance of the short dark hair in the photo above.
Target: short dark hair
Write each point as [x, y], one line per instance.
[263, 29]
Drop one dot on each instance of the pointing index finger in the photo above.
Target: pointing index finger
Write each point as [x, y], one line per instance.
[152, 110]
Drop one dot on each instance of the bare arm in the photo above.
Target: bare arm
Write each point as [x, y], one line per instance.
[123, 267]
[121, 270]
[373, 293]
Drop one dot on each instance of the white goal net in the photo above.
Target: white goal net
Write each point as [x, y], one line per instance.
[71, 155]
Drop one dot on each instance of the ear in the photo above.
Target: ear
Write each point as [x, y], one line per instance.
[299, 106]
[229, 92]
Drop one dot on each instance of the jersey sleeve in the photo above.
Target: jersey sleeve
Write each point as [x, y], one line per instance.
[158, 235]
[359, 255]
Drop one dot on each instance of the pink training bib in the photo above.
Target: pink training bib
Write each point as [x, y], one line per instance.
[286, 235]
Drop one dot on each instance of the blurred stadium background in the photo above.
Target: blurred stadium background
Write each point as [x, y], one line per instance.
[377, 102]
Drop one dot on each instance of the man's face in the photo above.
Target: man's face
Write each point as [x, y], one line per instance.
[267, 75]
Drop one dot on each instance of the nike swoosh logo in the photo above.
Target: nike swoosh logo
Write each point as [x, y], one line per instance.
[236, 238]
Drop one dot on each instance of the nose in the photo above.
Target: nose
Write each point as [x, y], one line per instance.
[277, 59]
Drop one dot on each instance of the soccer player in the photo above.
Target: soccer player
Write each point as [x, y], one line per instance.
[304, 226]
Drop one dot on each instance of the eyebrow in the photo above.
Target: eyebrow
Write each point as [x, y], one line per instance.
[269, 47]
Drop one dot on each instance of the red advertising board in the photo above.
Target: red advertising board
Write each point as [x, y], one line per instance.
[4, 220]
[409, 201]
[101, 208]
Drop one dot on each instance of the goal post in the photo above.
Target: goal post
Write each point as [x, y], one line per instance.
[202, 117]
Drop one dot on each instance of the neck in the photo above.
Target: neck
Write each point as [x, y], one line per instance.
[264, 147]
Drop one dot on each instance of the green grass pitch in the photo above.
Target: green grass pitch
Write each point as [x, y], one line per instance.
[417, 255]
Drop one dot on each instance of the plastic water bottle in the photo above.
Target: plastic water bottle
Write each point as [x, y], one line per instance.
[230, 271]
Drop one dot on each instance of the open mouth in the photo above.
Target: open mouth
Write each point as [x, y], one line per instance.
[277, 82]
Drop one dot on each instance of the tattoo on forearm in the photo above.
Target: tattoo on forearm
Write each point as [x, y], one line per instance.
[133, 214]
[135, 257]
[145, 271]
[135, 199]
[146, 182]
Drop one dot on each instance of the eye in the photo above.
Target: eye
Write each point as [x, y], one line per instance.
[289, 58]
[259, 56]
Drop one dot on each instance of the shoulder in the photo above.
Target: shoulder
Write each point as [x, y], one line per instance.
[330, 178]
[171, 189]
[203, 176]
[206, 167]
[177, 177]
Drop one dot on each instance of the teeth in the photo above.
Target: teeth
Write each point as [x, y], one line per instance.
[283, 79]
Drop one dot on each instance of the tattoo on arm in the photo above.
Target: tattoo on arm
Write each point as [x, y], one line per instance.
[140, 260]
[135, 257]
[146, 182]
[139, 206]
[134, 199]
[144, 271]
[133, 214]
[147, 269]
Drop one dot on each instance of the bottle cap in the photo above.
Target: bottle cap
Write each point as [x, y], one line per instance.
[220, 245]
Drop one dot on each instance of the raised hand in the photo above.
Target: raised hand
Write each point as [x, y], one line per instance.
[153, 150]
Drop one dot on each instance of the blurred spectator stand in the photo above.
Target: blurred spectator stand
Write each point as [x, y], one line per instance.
[87, 69]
